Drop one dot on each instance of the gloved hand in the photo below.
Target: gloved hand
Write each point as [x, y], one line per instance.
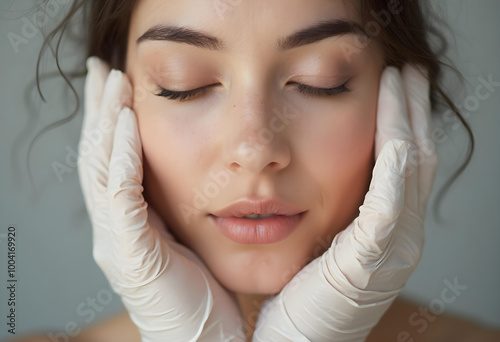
[168, 292]
[341, 295]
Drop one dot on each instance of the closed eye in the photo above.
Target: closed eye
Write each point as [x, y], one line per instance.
[322, 92]
[302, 88]
[182, 95]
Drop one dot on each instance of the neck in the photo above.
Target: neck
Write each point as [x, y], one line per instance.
[250, 305]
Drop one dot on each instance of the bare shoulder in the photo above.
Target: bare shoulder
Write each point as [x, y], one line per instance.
[407, 322]
[403, 322]
[119, 328]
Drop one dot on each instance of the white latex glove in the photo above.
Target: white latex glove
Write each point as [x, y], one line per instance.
[168, 292]
[342, 295]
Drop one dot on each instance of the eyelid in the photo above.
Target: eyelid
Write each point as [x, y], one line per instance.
[307, 79]
[303, 88]
[305, 82]
[322, 92]
[183, 94]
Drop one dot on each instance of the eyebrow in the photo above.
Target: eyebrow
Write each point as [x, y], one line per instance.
[308, 35]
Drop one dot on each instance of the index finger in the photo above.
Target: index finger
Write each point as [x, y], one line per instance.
[418, 91]
[392, 112]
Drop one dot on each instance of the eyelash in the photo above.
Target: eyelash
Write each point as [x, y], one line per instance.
[181, 95]
[322, 92]
[305, 89]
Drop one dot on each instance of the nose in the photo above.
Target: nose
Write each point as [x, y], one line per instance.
[255, 135]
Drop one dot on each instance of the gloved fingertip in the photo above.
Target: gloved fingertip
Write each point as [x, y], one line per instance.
[114, 73]
[415, 71]
[390, 72]
[390, 69]
[117, 78]
[126, 115]
[97, 65]
[94, 63]
[391, 78]
[91, 62]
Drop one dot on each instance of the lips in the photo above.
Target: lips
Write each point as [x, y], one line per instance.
[259, 207]
[271, 229]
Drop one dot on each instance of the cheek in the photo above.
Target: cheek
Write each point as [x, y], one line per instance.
[347, 138]
[341, 138]
[340, 159]
[172, 150]
[348, 161]
[348, 142]
[171, 142]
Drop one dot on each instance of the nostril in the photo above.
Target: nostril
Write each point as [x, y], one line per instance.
[234, 167]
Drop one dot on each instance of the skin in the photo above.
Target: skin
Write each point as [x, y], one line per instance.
[394, 322]
[320, 160]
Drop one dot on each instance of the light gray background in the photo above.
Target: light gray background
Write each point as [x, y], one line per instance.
[56, 271]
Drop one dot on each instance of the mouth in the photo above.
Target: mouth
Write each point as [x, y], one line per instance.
[257, 222]
[266, 230]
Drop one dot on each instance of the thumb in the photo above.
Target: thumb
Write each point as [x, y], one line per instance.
[328, 300]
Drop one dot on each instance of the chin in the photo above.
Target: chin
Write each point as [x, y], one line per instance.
[252, 283]
[261, 275]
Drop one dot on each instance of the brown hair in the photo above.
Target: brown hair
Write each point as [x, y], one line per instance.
[400, 29]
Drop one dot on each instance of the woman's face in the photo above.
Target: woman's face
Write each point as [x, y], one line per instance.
[254, 132]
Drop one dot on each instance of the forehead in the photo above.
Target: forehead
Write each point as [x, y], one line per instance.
[236, 21]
